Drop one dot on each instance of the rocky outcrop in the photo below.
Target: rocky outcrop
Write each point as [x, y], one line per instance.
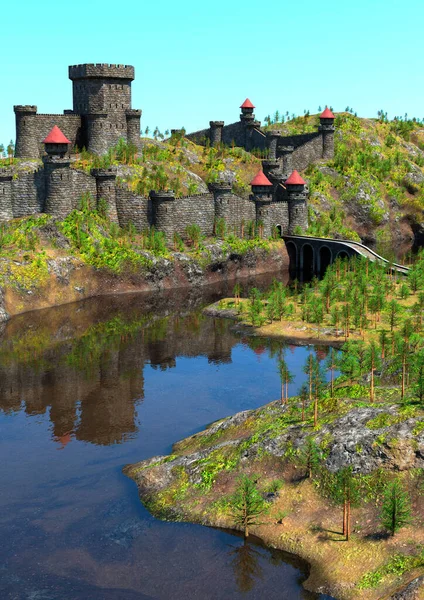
[412, 590]
[69, 279]
[365, 438]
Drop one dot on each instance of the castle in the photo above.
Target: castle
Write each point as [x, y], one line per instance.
[102, 115]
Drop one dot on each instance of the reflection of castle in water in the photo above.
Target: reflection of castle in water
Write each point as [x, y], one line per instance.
[93, 397]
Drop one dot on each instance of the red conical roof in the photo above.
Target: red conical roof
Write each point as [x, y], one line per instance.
[327, 114]
[56, 137]
[295, 179]
[247, 104]
[260, 179]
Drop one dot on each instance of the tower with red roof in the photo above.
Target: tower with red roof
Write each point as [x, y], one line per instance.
[297, 194]
[247, 109]
[58, 176]
[250, 126]
[327, 129]
[101, 114]
[262, 195]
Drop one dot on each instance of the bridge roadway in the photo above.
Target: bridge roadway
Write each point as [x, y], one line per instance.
[314, 254]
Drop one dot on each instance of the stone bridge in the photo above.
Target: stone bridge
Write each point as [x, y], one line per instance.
[312, 255]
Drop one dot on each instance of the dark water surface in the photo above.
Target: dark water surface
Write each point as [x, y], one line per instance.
[88, 388]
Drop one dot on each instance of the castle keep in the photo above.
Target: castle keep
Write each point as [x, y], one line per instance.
[102, 115]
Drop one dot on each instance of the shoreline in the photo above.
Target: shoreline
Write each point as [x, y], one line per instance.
[299, 336]
[70, 280]
[171, 488]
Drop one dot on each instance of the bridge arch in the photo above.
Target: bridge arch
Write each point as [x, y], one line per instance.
[325, 258]
[343, 254]
[293, 256]
[307, 259]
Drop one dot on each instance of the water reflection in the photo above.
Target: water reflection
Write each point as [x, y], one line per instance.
[88, 388]
[90, 381]
[245, 561]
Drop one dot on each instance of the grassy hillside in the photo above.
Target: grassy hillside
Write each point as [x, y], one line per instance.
[373, 188]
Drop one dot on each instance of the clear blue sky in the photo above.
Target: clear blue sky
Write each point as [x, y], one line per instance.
[196, 61]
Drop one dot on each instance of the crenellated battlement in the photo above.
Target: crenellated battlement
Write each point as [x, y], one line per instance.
[102, 115]
[110, 172]
[25, 108]
[6, 174]
[162, 195]
[101, 71]
[133, 113]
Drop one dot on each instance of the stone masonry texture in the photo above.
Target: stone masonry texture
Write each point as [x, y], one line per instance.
[102, 115]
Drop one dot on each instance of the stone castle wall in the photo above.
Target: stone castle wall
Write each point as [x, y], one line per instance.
[57, 189]
[133, 208]
[195, 210]
[28, 193]
[308, 148]
[100, 117]
[31, 129]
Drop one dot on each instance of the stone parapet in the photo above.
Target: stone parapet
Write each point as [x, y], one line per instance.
[101, 71]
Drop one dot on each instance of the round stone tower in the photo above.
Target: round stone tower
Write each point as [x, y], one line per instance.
[133, 126]
[216, 132]
[327, 129]
[97, 133]
[26, 132]
[163, 204]
[106, 191]
[104, 89]
[222, 196]
[262, 195]
[58, 174]
[286, 152]
[247, 114]
[297, 196]
[272, 141]
[6, 207]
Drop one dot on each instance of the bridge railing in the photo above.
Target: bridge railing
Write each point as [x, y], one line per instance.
[348, 243]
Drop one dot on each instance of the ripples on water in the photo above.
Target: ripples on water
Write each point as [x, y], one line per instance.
[88, 388]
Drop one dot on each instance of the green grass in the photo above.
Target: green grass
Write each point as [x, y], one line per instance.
[395, 567]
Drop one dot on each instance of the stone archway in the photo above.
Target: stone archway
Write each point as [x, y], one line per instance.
[279, 230]
[342, 254]
[325, 258]
[293, 257]
[307, 259]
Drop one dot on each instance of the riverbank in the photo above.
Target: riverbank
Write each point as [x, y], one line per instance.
[196, 481]
[294, 332]
[46, 263]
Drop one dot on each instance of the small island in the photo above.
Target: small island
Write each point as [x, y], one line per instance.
[336, 473]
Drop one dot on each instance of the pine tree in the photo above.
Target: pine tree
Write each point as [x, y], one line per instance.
[372, 362]
[286, 378]
[310, 456]
[394, 309]
[396, 509]
[247, 504]
[418, 373]
[331, 365]
[346, 492]
[318, 384]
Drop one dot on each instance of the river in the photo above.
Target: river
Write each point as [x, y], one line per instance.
[90, 387]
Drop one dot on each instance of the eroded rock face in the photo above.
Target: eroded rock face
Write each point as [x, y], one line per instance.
[353, 439]
[72, 280]
[4, 316]
[412, 590]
